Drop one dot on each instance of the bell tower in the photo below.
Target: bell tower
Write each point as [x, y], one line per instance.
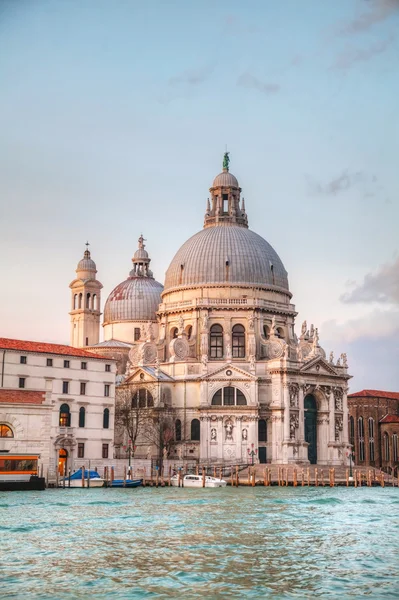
[85, 303]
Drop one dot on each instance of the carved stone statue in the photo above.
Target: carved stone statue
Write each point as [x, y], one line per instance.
[213, 435]
[149, 332]
[294, 423]
[344, 359]
[205, 321]
[339, 362]
[273, 326]
[226, 161]
[228, 427]
[142, 332]
[251, 321]
[252, 364]
[244, 435]
[228, 351]
[331, 357]
[303, 330]
[338, 428]
[311, 331]
[180, 325]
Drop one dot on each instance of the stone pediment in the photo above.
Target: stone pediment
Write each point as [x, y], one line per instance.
[147, 374]
[229, 372]
[318, 366]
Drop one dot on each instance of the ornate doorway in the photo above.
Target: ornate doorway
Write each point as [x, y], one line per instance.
[62, 461]
[311, 428]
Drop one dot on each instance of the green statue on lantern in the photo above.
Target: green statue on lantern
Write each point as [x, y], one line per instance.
[226, 161]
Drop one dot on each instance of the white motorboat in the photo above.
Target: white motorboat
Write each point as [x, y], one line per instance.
[196, 481]
[90, 479]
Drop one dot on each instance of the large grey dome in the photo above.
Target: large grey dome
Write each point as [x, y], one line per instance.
[226, 254]
[135, 299]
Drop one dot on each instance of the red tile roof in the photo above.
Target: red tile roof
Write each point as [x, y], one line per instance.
[21, 397]
[390, 419]
[44, 347]
[375, 394]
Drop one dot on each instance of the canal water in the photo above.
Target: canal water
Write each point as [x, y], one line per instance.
[186, 543]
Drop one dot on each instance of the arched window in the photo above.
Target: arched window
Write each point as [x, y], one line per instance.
[65, 416]
[238, 341]
[262, 431]
[6, 431]
[82, 416]
[142, 399]
[229, 396]
[360, 433]
[395, 447]
[266, 331]
[216, 341]
[80, 300]
[280, 332]
[87, 300]
[173, 333]
[178, 430]
[371, 439]
[352, 432]
[386, 447]
[106, 418]
[94, 302]
[195, 430]
[189, 331]
[75, 301]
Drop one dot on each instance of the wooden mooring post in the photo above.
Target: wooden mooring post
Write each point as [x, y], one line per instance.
[308, 476]
[253, 476]
[203, 476]
[124, 476]
[237, 479]
[295, 479]
[231, 477]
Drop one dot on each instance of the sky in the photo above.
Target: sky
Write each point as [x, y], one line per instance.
[114, 117]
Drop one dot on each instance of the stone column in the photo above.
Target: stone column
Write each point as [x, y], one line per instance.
[239, 442]
[286, 404]
[204, 438]
[220, 437]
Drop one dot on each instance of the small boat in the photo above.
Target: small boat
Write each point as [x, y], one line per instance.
[196, 481]
[20, 472]
[130, 483]
[90, 479]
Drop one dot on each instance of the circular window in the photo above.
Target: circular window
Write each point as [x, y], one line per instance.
[228, 372]
[141, 375]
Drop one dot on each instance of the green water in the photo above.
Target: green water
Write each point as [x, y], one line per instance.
[188, 543]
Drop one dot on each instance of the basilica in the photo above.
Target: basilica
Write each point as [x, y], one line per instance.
[214, 350]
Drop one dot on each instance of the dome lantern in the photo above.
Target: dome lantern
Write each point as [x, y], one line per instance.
[225, 200]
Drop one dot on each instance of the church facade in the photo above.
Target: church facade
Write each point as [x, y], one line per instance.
[214, 351]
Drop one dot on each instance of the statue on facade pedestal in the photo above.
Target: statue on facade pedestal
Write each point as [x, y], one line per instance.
[228, 427]
[331, 357]
[213, 435]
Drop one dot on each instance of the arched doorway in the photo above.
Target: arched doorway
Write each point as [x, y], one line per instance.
[62, 461]
[311, 427]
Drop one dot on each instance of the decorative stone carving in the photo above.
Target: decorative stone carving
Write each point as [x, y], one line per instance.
[338, 428]
[294, 393]
[204, 343]
[228, 428]
[228, 351]
[205, 322]
[244, 435]
[252, 363]
[180, 325]
[134, 355]
[338, 398]
[344, 360]
[303, 350]
[149, 331]
[214, 435]
[274, 349]
[251, 322]
[179, 349]
[331, 360]
[294, 424]
[303, 330]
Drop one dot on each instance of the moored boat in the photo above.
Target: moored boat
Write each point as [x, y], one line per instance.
[90, 479]
[130, 483]
[197, 481]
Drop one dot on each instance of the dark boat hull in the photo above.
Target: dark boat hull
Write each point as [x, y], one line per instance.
[129, 483]
[34, 483]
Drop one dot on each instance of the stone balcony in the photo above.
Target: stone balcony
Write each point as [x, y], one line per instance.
[228, 303]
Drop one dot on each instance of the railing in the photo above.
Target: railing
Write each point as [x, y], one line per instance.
[254, 302]
[66, 430]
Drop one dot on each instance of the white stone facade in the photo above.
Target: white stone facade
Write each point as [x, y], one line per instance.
[85, 383]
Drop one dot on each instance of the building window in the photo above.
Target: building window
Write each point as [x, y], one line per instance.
[22, 360]
[65, 387]
[178, 430]
[371, 440]
[108, 368]
[352, 432]
[386, 447]
[83, 365]
[106, 418]
[106, 389]
[82, 388]
[361, 438]
[238, 341]
[225, 199]
[266, 332]
[87, 341]
[137, 334]
[82, 416]
[66, 364]
[65, 416]
[6, 431]
[216, 341]
[262, 431]
[229, 396]
[142, 399]
[105, 450]
[81, 450]
[49, 362]
[195, 430]
[21, 382]
[395, 447]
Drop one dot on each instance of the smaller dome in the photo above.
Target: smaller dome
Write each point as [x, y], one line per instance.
[225, 179]
[141, 254]
[86, 264]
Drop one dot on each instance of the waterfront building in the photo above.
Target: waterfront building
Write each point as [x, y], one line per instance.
[56, 401]
[374, 429]
[214, 352]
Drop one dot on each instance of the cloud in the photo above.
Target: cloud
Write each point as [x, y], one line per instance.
[351, 56]
[381, 286]
[380, 10]
[250, 81]
[339, 184]
[374, 325]
[192, 76]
